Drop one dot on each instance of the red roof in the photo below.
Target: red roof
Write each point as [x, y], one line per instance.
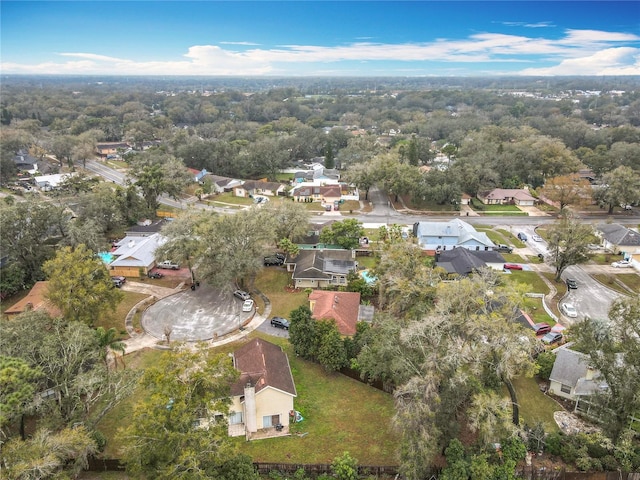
[343, 307]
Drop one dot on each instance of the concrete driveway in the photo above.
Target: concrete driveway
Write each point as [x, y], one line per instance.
[591, 297]
[195, 315]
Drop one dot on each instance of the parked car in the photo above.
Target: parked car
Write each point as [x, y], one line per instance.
[118, 281]
[569, 310]
[503, 248]
[522, 236]
[512, 266]
[541, 328]
[280, 322]
[571, 284]
[621, 264]
[247, 306]
[327, 208]
[273, 260]
[242, 295]
[280, 255]
[155, 275]
[168, 265]
[536, 238]
[551, 338]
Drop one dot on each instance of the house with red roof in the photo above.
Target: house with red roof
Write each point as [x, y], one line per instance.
[342, 307]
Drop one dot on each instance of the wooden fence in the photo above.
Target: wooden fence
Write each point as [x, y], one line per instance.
[388, 471]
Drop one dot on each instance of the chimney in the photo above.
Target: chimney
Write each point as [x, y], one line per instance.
[250, 409]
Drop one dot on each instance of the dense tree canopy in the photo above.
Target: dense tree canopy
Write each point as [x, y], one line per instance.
[80, 285]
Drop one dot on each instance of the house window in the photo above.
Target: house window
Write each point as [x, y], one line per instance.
[565, 389]
[270, 421]
[235, 418]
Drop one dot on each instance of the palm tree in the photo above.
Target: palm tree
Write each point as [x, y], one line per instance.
[107, 341]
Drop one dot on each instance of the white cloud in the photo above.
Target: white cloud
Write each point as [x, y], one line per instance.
[578, 52]
[93, 56]
[612, 61]
[239, 43]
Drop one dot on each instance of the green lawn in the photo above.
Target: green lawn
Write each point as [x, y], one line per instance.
[340, 414]
[273, 282]
[116, 319]
[230, 198]
[631, 280]
[530, 278]
[535, 406]
[512, 238]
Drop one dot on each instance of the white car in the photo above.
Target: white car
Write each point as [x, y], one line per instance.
[536, 238]
[621, 264]
[247, 306]
[569, 310]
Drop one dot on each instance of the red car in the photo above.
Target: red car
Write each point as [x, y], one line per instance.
[512, 266]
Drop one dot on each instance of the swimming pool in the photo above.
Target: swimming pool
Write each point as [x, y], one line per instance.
[368, 277]
[106, 257]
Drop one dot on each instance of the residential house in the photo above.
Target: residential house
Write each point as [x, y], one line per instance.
[572, 377]
[135, 255]
[465, 199]
[331, 194]
[462, 261]
[440, 236]
[262, 398]
[312, 238]
[341, 307]
[507, 196]
[221, 184]
[307, 193]
[321, 268]
[36, 299]
[620, 239]
[26, 162]
[47, 183]
[252, 188]
[145, 228]
[111, 148]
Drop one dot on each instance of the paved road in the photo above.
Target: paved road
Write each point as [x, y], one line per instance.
[195, 315]
[591, 297]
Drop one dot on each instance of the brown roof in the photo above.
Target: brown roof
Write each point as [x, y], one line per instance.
[36, 300]
[262, 364]
[343, 307]
[331, 191]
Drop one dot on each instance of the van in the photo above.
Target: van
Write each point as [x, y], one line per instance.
[522, 236]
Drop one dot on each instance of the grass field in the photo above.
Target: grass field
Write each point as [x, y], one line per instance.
[530, 278]
[116, 319]
[535, 406]
[273, 282]
[339, 414]
[631, 280]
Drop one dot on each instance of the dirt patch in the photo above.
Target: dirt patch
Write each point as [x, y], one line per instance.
[571, 424]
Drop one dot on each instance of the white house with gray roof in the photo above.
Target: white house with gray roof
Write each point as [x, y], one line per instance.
[440, 236]
[620, 239]
[321, 268]
[572, 377]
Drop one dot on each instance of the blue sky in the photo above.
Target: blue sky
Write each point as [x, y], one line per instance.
[331, 38]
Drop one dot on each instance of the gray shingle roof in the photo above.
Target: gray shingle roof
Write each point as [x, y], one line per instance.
[618, 234]
[463, 261]
[570, 368]
[320, 264]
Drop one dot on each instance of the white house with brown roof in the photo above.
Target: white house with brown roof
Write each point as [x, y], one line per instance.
[507, 196]
[262, 398]
[341, 307]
